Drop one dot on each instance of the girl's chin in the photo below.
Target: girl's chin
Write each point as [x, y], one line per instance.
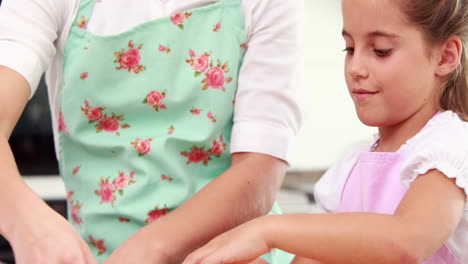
[372, 120]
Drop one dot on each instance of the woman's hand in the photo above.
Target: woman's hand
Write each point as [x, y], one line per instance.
[243, 244]
[139, 248]
[47, 237]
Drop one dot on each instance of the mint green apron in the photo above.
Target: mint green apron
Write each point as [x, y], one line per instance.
[146, 118]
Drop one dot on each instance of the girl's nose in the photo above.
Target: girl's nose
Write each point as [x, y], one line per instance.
[356, 67]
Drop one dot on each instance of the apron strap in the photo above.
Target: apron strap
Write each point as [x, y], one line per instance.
[84, 12]
[228, 3]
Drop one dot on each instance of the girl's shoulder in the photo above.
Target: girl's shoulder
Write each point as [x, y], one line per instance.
[445, 130]
[443, 145]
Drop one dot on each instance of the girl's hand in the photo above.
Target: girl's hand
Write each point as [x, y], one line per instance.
[241, 245]
[47, 237]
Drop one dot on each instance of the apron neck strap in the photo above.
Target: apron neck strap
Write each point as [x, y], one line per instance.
[84, 12]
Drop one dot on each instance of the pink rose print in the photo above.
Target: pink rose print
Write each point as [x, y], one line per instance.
[195, 111]
[142, 146]
[217, 27]
[130, 59]
[164, 49]
[124, 219]
[170, 130]
[109, 124]
[197, 155]
[179, 19]
[76, 170]
[98, 244]
[92, 113]
[107, 189]
[84, 76]
[244, 46]
[107, 193]
[62, 125]
[75, 208]
[155, 99]
[70, 196]
[211, 117]
[218, 147]
[82, 23]
[199, 63]
[164, 177]
[122, 181]
[214, 78]
[153, 215]
[103, 122]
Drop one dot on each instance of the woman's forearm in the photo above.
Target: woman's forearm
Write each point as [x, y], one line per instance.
[245, 191]
[342, 238]
[17, 200]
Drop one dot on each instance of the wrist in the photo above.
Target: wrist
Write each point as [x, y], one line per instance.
[21, 214]
[265, 225]
[165, 251]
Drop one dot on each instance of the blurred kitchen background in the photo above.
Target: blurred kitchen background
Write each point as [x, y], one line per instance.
[330, 126]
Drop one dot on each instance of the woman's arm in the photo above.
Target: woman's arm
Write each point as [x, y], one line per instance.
[36, 232]
[302, 260]
[245, 191]
[426, 217]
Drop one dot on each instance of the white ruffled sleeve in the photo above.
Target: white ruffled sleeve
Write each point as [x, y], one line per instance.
[441, 145]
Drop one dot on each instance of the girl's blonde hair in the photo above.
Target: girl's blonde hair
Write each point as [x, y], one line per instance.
[441, 19]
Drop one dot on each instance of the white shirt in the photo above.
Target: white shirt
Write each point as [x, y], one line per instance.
[441, 145]
[267, 113]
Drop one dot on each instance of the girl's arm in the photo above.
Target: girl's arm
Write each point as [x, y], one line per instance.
[245, 191]
[424, 220]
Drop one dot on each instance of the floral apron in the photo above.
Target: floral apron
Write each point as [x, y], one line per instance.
[374, 185]
[146, 118]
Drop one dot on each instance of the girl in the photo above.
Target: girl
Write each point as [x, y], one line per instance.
[143, 95]
[403, 198]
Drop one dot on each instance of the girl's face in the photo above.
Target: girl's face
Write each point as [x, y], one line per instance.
[389, 69]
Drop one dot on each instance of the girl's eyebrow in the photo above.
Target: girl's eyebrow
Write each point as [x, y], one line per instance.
[383, 34]
[373, 34]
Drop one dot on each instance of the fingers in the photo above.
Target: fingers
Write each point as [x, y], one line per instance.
[213, 257]
[87, 254]
[199, 256]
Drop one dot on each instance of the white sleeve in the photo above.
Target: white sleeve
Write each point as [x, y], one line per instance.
[443, 146]
[328, 190]
[28, 29]
[267, 113]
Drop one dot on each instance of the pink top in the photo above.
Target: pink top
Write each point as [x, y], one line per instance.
[366, 181]
[374, 186]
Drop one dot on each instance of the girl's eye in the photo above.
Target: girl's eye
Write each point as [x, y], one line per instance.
[349, 51]
[382, 52]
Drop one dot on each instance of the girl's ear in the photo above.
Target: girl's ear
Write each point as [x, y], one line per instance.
[450, 55]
